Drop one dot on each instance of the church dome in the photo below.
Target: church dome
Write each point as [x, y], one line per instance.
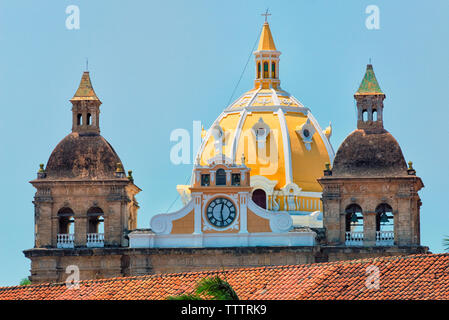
[369, 154]
[276, 136]
[84, 153]
[82, 156]
[294, 150]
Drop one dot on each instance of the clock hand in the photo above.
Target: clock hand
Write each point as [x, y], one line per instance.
[221, 212]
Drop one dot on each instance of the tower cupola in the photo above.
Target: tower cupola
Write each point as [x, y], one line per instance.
[86, 108]
[267, 60]
[370, 104]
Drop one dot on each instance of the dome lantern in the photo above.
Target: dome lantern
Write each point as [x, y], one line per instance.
[267, 60]
[86, 108]
[370, 105]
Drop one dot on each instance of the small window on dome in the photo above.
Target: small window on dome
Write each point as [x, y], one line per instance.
[79, 119]
[374, 115]
[258, 70]
[306, 133]
[89, 119]
[273, 70]
[260, 132]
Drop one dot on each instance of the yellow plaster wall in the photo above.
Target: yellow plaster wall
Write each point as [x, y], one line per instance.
[259, 162]
[184, 225]
[257, 224]
[307, 165]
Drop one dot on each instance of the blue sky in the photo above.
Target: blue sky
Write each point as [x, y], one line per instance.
[160, 65]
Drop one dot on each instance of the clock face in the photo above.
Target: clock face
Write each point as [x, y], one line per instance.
[221, 212]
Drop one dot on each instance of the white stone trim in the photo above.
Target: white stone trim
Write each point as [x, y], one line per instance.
[330, 150]
[243, 200]
[251, 100]
[261, 182]
[222, 240]
[310, 194]
[286, 146]
[237, 134]
[279, 221]
[275, 97]
[296, 189]
[272, 108]
[219, 159]
[260, 139]
[307, 140]
[206, 139]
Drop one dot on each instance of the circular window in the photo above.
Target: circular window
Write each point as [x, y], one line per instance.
[306, 133]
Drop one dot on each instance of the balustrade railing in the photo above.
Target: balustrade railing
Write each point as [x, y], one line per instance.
[95, 240]
[65, 240]
[384, 237]
[354, 238]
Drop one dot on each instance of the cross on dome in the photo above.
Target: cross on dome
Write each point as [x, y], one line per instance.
[266, 14]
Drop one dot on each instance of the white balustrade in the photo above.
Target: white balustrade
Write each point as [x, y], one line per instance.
[384, 238]
[354, 238]
[95, 240]
[65, 240]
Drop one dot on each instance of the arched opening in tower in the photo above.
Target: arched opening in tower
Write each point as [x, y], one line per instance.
[95, 220]
[260, 198]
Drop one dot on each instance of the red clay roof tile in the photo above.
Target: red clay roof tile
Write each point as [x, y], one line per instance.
[402, 277]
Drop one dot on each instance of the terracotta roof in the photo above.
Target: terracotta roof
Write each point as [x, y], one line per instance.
[423, 276]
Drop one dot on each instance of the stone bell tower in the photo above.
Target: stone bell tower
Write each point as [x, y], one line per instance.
[84, 201]
[370, 197]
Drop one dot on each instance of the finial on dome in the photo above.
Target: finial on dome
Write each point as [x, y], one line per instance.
[328, 131]
[130, 176]
[266, 14]
[327, 169]
[41, 172]
[410, 169]
[266, 41]
[119, 171]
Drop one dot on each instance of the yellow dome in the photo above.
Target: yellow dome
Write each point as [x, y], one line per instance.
[278, 137]
[287, 155]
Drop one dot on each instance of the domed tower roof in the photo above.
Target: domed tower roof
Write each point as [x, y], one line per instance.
[84, 154]
[81, 156]
[369, 151]
[369, 155]
[278, 136]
